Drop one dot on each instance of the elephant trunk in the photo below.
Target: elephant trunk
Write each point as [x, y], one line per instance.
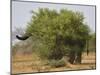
[24, 37]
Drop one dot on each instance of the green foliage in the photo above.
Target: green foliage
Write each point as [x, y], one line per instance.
[54, 29]
[92, 42]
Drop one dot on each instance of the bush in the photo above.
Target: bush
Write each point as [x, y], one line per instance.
[55, 29]
[57, 63]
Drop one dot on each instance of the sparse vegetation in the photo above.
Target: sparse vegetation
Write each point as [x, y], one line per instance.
[57, 63]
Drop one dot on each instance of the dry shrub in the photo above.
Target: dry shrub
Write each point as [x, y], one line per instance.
[57, 63]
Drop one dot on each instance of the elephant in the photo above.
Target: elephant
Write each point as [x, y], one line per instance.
[75, 57]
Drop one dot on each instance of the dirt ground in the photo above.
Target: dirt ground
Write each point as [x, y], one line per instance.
[32, 63]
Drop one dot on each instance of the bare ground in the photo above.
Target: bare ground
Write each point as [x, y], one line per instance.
[32, 63]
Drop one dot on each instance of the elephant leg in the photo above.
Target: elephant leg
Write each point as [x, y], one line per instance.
[78, 58]
[71, 57]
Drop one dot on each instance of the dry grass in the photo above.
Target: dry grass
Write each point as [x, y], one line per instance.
[32, 63]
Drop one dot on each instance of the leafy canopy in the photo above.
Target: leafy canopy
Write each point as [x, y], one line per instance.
[47, 25]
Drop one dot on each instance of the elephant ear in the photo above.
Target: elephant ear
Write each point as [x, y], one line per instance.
[22, 37]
